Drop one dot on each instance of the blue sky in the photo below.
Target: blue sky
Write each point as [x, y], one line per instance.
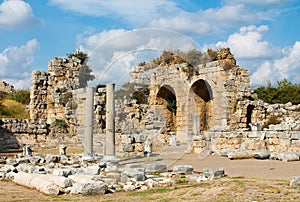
[118, 34]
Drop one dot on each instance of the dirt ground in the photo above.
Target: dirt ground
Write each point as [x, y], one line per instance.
[246, 180]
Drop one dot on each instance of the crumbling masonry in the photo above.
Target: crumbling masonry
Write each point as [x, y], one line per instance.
[211, 106]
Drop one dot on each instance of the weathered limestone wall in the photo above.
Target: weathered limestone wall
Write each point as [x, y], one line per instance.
[224, 142]
[6, 87]
[16, 132]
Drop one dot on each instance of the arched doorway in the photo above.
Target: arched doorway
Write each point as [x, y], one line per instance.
[249, 115]
[200, 106]
[166, 103]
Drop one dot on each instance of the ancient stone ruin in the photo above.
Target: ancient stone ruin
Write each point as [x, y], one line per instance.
[168, 103]
[209, 106]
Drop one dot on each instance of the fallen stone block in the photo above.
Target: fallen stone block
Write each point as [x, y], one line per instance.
[129, 187]
[240, 155]
[288, 156]
[262, 154]
[62, 172]
[26, 168]
[212, 173]
[136, 173]
[84, 178]
[295, 181]
[89, 188]
[61, 181]
[51, 158]
[183, 169]
[273, 156]
[36, 181]
[156, 168]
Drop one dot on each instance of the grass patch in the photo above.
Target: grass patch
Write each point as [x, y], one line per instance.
[70, 150]
[151, 191]
[13, 109]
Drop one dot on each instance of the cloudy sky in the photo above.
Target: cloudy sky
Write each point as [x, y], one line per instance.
[264, 35]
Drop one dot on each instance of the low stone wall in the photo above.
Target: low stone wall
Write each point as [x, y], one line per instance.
[16, 132]
[275, 141]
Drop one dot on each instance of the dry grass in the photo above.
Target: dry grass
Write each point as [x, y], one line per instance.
[13, 109]
[70, 151]
[224, 189]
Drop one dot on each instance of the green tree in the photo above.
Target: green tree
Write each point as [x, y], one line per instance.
[84, 71]
[283, 93]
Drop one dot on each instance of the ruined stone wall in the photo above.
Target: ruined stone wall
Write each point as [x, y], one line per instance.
[225, 142]
[6, 87]
[16, 132]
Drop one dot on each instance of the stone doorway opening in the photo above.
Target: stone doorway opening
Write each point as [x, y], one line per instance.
[250, 109]
[200, 106]
[166, 103]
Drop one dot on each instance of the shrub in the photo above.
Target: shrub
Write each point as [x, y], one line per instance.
[60, 123]
[22, 96]
[171, 106]
[273, 120]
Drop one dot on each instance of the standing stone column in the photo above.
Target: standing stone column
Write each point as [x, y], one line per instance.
[88, 123]
[110, 121]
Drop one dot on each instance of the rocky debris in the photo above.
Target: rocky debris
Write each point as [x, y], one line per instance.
[295, 181]
[92, 177]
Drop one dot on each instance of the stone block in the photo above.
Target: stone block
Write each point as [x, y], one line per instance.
[240, 155]
[38, 182]
[128, 147]
[138, 138]
[288, 156]
[183, 169]
[156, 168]
[89, 188]
[136, 173]
[61, 181]
[261, 154]
[212, 173]
[295, 181]
[295, 135]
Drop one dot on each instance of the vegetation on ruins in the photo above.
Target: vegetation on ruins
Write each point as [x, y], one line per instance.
[84, 71]
[273, 120]
[59, 123]
[13, 105]
[22, 96]
[141, 96]
[193, 57]
[284, 92]
[171, 106]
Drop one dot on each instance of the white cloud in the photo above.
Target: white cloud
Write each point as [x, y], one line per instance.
[249, 43]
[132, 11]
[168, 15]
[113, 53]
[260, 2]
[16, 14]
[15, 62]
[275, 70]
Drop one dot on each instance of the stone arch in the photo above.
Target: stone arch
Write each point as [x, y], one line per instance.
[200, 106]
[166, 103]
